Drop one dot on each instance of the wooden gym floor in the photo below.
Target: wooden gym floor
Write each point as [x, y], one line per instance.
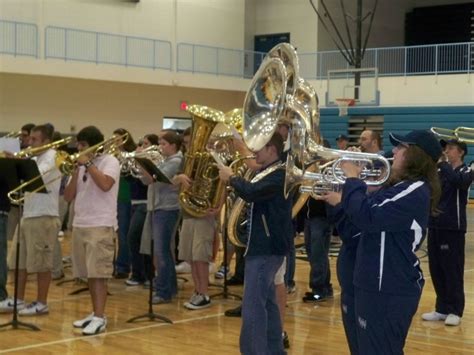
[312, 328]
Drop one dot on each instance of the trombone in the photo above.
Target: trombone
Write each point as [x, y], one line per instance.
[12, 134]
[462, 134]
[65, 163]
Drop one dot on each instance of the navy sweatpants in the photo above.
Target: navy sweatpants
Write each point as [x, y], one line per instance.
[383, 321]
[446, 260]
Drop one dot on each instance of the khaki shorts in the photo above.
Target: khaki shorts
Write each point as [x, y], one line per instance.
[37, 238]
[280, 274]
[93, 252]
[196, 239]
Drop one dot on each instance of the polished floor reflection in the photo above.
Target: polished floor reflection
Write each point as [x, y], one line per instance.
[312, 328]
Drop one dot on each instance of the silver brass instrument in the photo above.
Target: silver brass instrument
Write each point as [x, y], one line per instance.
[128, 164]
[462, 134]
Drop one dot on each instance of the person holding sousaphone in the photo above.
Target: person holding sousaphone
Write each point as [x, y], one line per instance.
[94, 188]
[39, 227]
[269, 242]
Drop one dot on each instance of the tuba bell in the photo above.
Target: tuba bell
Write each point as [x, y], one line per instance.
[207, 190]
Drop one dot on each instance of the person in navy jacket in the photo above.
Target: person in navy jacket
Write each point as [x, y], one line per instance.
[388, 280]
[447, 235]
[270, 234]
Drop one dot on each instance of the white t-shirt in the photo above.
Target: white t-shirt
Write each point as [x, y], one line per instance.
[94, 207]
[45, 204]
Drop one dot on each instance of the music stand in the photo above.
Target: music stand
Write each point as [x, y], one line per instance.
[16, 171]
[156, 175]
[225, 293]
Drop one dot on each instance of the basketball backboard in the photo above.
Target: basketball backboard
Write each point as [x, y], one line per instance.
[343, 84]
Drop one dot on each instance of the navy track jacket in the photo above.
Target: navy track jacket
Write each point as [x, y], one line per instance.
[455, 185]
[271, 228]
[393, 221]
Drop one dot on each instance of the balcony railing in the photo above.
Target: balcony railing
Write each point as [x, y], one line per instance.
[19, 38]
[105, 48]
[218, 61]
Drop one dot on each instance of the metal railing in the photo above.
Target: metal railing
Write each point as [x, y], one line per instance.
[97, 47]
[19, 38]
[396, 61]
[215, 60]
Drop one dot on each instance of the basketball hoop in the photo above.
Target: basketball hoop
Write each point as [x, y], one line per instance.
[343, 105]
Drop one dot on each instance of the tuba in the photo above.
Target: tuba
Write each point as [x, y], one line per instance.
[207, 189]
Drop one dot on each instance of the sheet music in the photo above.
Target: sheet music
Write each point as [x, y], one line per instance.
[11, 145]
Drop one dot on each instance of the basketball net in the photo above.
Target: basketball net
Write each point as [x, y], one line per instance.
[343, 105]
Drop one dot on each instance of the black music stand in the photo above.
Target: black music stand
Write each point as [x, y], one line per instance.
[156, 175]
[16, 171]
[225, 293]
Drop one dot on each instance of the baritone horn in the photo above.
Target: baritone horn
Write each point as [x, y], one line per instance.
[64, 162]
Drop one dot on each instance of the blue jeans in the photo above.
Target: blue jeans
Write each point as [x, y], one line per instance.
[164, 228]
[261, 331]
[139, 270]
[317, 237]
[290, 266]
[124, 213]
[3, 256]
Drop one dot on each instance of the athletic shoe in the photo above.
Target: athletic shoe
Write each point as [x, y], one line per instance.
[96, 325]
[34, 309]
[434, 316]
[234, 312]
[159, 300]
[191, 299]
[82, 323]
[314, 297]
[133, 282]
[220, 273]
[452, 319]
[286, 340]
[183, 268]
[201, 301]
[291, 289]
[6, 306]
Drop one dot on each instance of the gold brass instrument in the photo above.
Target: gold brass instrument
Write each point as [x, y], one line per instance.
[64, 162]
[128, 164]
[12, 134]
[207, 189]
[31, 152]
[462, 134]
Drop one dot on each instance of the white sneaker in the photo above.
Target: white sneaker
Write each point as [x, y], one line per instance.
[183, 268]
[6, 306]
[82, 323]
[97, 325]
[191, 299]
[452, 319]
[433, 316]
[34, 309]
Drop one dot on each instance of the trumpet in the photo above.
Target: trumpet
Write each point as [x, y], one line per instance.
[64, 162]
[462, 134]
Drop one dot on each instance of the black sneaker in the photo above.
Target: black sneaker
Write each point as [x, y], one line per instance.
[234, 312]
[199, 302]
[314, 297]
[286, 340]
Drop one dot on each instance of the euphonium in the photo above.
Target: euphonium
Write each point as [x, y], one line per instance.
[128, 164]
[207, 189]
